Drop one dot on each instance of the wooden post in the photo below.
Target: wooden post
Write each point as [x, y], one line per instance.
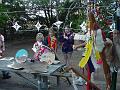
[83, 76]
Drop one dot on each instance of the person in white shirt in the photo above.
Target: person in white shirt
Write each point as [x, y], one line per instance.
[2, 49]
[39, 46]
[2, 45]
[99, 44]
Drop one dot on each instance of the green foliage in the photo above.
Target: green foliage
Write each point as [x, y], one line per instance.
[3, 16]
[76, 15]
[63, 9]
[45, 2]
[77, 19]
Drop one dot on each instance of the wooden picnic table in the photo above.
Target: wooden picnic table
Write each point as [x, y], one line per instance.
[41, 70]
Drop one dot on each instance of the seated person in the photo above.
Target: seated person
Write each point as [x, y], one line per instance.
[39, 46]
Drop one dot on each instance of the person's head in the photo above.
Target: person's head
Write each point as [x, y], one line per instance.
[51, 32]
[39, 37]
[67, 29]
[91, 17]
[92, 21]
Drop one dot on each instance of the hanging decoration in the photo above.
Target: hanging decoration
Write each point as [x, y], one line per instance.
[58, 23]
[16, 26]
[38, 26]
[87, 54]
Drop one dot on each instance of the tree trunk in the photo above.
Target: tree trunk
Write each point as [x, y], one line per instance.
[47, 21]
[49, 17]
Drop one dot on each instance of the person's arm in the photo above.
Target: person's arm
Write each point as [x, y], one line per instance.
[71, 39]
[80, 45]
[34, 48]
[108, 42]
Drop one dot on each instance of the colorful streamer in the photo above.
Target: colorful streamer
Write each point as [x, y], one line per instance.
[87, 53]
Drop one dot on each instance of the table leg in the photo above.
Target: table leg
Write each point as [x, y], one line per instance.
[39, 83]
[45, 81]
[58, 80]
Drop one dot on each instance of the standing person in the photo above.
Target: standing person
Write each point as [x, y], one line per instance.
[115, 63]
[95, 45]
[2, 45]
[67, 44]
[52, 40]
[2, 49]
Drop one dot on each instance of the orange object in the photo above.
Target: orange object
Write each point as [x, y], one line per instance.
[52, 42]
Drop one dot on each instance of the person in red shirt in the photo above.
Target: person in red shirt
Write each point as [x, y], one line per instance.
[52, 40]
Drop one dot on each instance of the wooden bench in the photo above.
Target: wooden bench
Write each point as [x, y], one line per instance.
[65, 75]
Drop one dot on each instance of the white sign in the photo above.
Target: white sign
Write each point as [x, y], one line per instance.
[38, 25]
[16, 26]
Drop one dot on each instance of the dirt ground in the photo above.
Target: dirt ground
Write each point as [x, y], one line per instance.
[17, 83]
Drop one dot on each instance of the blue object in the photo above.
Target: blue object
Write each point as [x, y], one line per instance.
[21, 52]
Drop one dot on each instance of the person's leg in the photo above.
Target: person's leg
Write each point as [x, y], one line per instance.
[66, 58]
[69, 57]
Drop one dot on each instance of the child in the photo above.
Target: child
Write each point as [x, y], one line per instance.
[39, 46]
[52, 41]
[67, 44]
